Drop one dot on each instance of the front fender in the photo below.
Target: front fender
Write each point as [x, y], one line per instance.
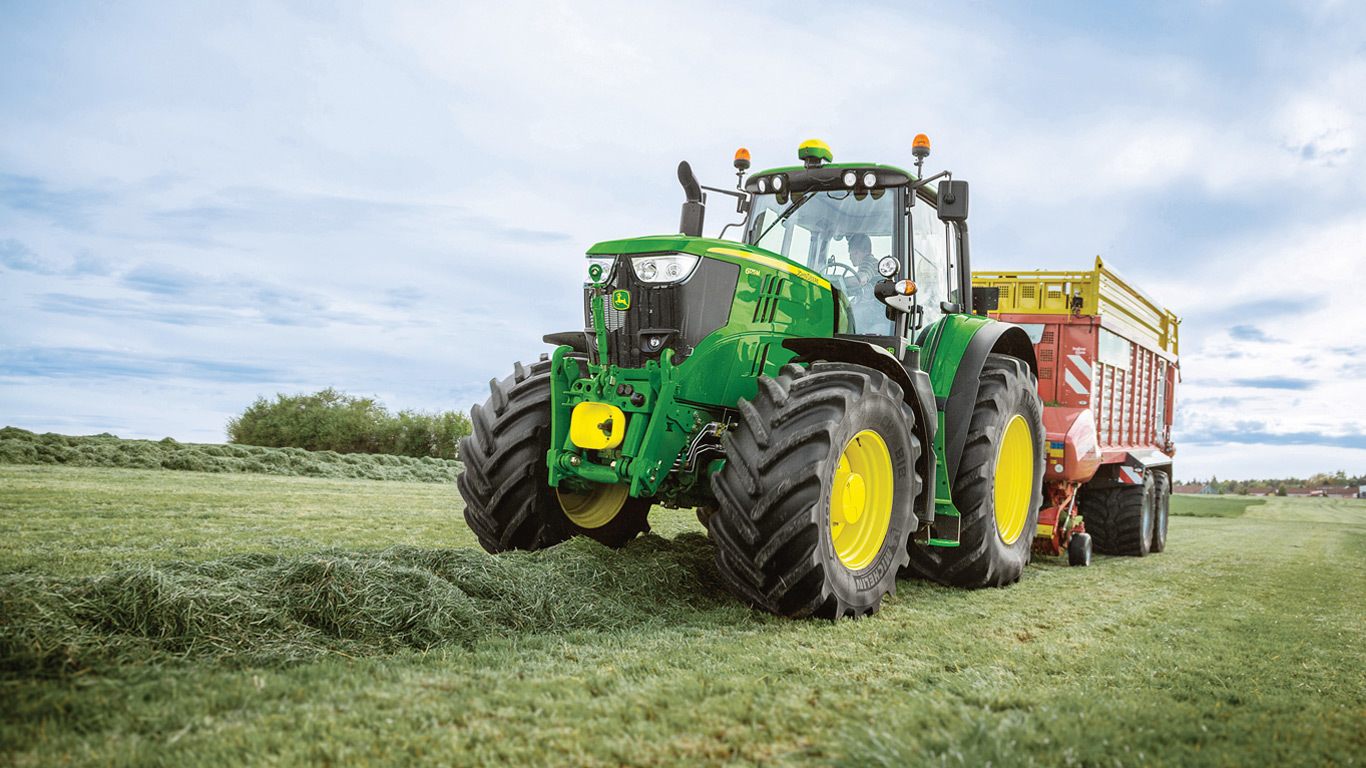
[955, 349]
[915, 388]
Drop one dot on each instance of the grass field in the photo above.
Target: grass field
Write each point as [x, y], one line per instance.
[179, 618]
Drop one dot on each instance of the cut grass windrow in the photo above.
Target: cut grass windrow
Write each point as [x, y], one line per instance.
[271, 610]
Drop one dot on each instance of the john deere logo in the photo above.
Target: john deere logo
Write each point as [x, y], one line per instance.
[621, 300]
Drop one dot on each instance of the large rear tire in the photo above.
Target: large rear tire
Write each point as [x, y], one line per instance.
[508, 503]
[999, 487]
[816, 495]
[1120, 519]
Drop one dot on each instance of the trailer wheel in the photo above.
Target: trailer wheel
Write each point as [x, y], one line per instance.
[1162, 500]
[1079, 550]
[508, 503]
[1120, 520]
[815, 501]
[999, 487]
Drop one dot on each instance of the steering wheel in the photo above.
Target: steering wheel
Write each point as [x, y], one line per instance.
[844, 274]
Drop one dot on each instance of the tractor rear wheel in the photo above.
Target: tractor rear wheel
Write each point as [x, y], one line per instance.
[999, 487]
[508, 503]
[1120, 519]
[1162, 500]
[815, 501]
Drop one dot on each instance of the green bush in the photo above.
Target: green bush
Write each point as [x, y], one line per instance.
[18, 446]
[335, 421]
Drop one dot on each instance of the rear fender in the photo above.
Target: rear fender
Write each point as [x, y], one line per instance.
[915, 388]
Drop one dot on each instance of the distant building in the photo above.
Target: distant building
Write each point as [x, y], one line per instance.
[1196, 487]
[1340, 491]
[1361, 492]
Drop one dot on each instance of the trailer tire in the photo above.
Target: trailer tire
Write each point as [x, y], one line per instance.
[1120, 519]
[1079, 550]
[815, 501]
[1162, 500]
[993, 548]
[508, 502]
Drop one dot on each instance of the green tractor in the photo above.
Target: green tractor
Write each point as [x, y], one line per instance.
[820, 390]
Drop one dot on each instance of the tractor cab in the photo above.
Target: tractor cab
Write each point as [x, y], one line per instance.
[858, 225]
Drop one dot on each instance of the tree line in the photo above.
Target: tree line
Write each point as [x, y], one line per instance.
[335, 421]
[1283, 485]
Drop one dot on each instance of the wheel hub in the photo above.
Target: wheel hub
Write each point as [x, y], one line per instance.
[1014, 479]
[861, 500]
[593, 508]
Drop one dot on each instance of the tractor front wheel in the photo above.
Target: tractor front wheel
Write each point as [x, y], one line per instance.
[999, 487]
[816, 495]
[508, 502]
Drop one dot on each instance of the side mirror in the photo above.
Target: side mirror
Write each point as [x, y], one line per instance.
[953, 200]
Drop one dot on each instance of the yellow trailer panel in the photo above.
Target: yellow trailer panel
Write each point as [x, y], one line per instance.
[1100, 292]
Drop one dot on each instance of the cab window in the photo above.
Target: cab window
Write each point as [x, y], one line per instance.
[929, 262]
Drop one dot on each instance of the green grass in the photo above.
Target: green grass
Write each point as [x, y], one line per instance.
[349, 622]
[1213, 506]
[19, 446]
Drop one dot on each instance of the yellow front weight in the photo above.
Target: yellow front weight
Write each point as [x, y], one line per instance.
[597, 426]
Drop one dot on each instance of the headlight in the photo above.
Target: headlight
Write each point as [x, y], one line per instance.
[888, 266]
[870, 179]
[850, 178]
[664, 268]
[604, 263]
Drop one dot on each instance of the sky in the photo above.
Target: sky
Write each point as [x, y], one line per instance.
[203, 203]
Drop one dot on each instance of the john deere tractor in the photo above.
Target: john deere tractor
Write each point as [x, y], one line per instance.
[820, 390]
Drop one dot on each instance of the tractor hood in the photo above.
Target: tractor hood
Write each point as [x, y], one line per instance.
[708, 247]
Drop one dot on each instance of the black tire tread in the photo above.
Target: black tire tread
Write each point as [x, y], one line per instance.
[974, 564]
[1114, 518]
[1162, 498]
[508, 503]
[765, 529]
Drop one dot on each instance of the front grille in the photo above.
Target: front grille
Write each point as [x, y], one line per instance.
[676, 316]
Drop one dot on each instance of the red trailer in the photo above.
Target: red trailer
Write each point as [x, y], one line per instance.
[1108, 369]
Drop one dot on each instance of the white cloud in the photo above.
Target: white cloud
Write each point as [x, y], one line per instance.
[394, 199]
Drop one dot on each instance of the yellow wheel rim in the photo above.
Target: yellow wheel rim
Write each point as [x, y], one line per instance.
[1014, 479]
[861, 500]
[593, 509]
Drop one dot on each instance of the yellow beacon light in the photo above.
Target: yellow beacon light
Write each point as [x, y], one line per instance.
[813, 152]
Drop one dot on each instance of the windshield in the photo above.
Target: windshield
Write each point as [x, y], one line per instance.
[840, 234]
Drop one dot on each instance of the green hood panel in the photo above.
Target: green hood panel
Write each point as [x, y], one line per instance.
[710, 247]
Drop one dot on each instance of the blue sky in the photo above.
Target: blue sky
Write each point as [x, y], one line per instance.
[203, 203]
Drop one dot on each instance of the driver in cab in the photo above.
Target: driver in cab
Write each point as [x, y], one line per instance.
[868, 312]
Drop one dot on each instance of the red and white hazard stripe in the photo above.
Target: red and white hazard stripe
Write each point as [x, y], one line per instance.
[1129, 475]
[1077, 374]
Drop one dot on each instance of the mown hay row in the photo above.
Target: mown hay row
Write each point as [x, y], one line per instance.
[272, 610]
[19, 446]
